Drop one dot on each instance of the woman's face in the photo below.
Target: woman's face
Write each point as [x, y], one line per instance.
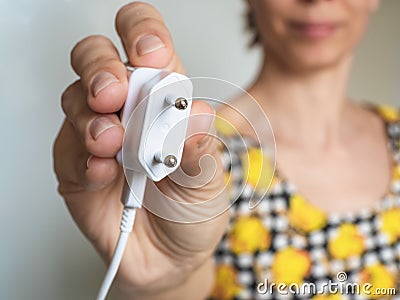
[311, 34]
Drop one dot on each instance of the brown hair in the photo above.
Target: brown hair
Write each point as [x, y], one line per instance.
[252, 28]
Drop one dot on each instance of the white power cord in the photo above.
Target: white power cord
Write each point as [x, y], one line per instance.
[128, 218]
[165, 106]
[132, 197]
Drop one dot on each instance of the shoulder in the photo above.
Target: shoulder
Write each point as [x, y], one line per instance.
[233, 118]
[390, 114]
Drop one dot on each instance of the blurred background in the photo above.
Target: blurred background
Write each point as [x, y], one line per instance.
[42, 253]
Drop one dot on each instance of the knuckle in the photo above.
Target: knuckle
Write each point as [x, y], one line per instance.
[87, 44]
[56, 151]
[133, 13]
[83, 120]
[151, 23]
[101, 63]
[66, 98]
[57, 164]
[148, 25]
[145, 26]
[83, 44]
[134, 9]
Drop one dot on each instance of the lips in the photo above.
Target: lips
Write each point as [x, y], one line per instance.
[314, 30]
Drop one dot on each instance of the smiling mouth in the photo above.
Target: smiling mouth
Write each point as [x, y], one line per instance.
[314, 30]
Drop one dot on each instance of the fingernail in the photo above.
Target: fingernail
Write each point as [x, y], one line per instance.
[200, 123]
[101, 81]
[211, 133]
[148, 44]
[100, 125]
[88, 161]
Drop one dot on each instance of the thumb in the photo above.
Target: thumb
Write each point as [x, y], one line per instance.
[146, 38]
[200, 140]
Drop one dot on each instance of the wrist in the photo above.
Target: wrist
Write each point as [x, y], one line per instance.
[181, 283]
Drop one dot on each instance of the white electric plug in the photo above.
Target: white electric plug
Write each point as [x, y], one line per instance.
[158, 102]
[155, 117]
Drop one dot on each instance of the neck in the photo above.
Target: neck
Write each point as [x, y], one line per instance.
[300, 105]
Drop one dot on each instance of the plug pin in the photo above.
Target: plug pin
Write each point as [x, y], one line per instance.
[181, 103]
[170, 160]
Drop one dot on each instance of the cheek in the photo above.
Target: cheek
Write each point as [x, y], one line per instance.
[269, 15]
[270, 23]
[355, 29]
[359, 12]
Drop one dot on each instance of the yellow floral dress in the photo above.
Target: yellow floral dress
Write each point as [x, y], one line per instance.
[285, 239]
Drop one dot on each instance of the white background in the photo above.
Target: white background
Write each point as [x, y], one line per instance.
[42, 253]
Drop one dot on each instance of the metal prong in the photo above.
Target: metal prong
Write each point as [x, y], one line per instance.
[170, 161]
[181, 103]
[157, 157]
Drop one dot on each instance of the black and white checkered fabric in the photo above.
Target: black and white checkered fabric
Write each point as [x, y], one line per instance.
[272, 211]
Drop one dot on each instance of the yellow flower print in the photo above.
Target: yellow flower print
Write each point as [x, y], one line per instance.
[224, 127]
[258, 169]
[390, 114]
[396, 172]
[290, 265]
[328, 297]
[304, 216]
[377, 276]
[348, 242]
[225, 286]
[248, 235]
[390, 223]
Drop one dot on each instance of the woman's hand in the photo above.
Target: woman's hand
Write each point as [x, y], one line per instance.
[163, 259]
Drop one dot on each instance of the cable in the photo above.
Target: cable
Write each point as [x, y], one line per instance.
[144, 142]
[132, 197]
[128, 218]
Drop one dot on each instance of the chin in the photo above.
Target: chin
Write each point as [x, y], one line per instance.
[306, 59]
[318, 61]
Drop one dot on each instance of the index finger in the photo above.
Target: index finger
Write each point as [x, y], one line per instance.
[103, 75]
